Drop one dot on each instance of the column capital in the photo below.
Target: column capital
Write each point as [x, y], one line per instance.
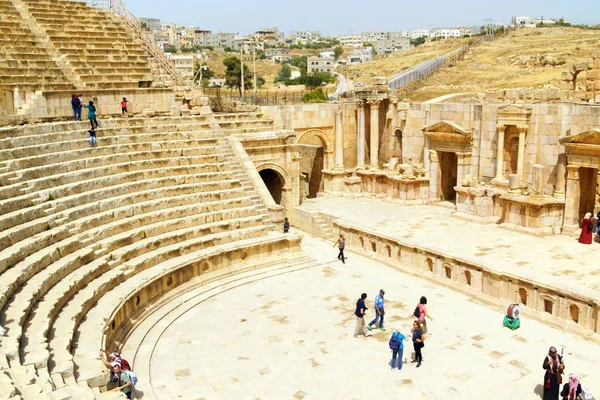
[500, 127]
[522, 129]
[572, 171]
[433, 156]
[373, 103]
[360, 104]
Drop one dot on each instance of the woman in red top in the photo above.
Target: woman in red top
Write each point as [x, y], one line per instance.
[124, 105]
[587, 229]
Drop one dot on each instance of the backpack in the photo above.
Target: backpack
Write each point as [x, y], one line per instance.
[417, 312]
[132, 377]
[125, 365]
[394, 342]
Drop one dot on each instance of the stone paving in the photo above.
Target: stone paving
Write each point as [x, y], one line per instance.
[290, 336]
[558, 261]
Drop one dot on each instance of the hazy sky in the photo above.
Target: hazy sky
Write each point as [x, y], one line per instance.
[333, 17]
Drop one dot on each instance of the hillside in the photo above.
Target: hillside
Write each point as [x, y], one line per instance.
[397, 62]
[526, 58]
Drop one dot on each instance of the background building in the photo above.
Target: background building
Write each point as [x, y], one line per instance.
[318, 64]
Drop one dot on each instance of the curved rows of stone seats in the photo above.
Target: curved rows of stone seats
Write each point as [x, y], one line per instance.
[80, 223]
[25, 63]
[100, 46]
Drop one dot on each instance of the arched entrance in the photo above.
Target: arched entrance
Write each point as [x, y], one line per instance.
[274, 182]
[315, 152]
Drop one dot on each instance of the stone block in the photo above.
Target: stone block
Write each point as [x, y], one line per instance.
[484, 206]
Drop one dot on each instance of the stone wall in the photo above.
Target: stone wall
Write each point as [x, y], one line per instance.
[56, 105]
[547, 123]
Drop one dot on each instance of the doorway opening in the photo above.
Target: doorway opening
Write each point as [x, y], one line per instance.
[273, 182]
[312, 163]
[449, 169]
[588, 183]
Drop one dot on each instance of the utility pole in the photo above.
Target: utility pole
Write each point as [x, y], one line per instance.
[242, 65]
[254, 59]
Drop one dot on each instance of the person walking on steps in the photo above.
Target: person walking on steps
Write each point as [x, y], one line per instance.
[418, 339]
[92, 114]
[80, 108]
[124, 105]
[397, 346]
[92, 133]
[123, 382]
[75, 106]
[379, 311]
[341, 244]
[360, 311]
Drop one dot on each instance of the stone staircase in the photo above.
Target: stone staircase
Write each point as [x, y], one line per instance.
[81, 226]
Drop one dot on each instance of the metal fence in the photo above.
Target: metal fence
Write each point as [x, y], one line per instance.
[262, 98]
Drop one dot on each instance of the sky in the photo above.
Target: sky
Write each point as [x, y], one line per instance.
[339, 17]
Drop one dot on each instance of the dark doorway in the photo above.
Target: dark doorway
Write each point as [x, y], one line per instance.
[397, 149]
[449, 168]
[588, 181]
[273, 183]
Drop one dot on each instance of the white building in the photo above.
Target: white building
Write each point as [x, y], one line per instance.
[153, 24]
[392, 45]
[372, 37]
[445, 33]
[306, 36]
[277, 54]
[216, 82]
[327, 54]
[417, 33]
[521, 20]
[184, 63]
[351, 41]
[359, 56]
[318, 64]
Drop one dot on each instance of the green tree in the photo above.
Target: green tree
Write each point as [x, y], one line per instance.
[338, 51]
[300, 62]
[260, 81]
[171, 49]
[316, 96]
[284, 74]
[418, 41]
[233, 74]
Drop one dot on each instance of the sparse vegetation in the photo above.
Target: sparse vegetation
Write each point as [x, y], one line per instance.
[316, 96]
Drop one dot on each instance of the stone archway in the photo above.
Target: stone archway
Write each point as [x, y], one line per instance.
[278, 182]
[316, 155]
[397, 145]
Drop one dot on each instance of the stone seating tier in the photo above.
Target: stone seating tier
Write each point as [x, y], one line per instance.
[78, 223]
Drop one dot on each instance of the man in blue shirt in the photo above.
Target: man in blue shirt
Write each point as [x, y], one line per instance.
[379, 312]
[360, 329]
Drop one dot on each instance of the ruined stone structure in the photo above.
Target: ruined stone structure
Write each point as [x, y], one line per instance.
[94, 238]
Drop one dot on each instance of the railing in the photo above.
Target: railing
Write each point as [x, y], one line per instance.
[117, 7]
[263, 98]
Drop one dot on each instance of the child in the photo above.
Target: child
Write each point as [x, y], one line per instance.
[286, 226]
[92, 137]
[92, 114]
[124, 105]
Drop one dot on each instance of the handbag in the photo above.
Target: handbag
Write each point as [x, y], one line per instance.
[590, 226]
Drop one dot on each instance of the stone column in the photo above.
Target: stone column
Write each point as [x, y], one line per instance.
[521, 155]
[374, 142]
[360, 141]
[339, 140]
[464, 162]
[573, 197]
[500, 152]
[426, 154]
[537, 187]
[434, 168]
[561, 170]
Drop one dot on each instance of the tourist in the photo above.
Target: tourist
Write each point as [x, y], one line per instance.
[92, 114]
[598, 224]
[379, 311]
[286, 226]
[92, 133]
[75, 106]
[572, 389]
[123, 382]
[418, 339]
[124, 105]
[115, 359]
[553, 377]
[360, 311]
[397, 346]
[587, 229]
[80, 108]
[341, 243]
[421, 312]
